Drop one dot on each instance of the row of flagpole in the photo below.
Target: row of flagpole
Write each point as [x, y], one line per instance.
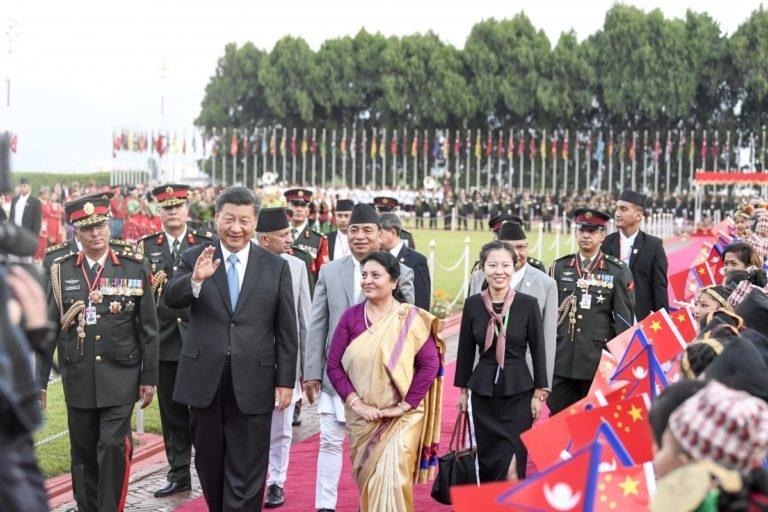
[397, 158]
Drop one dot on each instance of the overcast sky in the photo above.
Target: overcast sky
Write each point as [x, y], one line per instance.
[80, 68]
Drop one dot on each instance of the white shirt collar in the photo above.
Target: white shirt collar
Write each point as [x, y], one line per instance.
[396, 249]
[242, 254]
[629, 239]
[180, 238]
[301, 228]
[100, 261]
[517, 277]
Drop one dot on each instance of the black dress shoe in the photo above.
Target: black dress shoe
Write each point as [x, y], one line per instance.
[296, 415]
[172, 488]
[275, 497]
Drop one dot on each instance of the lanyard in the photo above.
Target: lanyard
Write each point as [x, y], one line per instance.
[92, 286]
[506, 323]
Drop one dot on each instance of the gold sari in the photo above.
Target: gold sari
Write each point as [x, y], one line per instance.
[389, 455]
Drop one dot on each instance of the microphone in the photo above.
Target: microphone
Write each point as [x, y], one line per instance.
[16, 240]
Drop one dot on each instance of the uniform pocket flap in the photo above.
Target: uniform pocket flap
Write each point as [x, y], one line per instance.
[126, 355]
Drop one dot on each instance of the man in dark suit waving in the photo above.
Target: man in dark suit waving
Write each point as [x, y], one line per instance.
[643, 253]
[238, 360]
[391, 229]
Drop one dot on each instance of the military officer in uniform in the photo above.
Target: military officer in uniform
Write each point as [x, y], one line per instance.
[73, 246]
[385, 204]
[596, 296]
[304, 237]
[162, 251]
[338, 244]
[108, 360]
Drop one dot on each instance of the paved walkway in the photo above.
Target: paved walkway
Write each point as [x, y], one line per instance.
[146, 481]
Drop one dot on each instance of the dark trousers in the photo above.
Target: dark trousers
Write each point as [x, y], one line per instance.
[566, 392]
[101, 450]
[21, 485]
[175, 420]
[231, 451]
[498, 422]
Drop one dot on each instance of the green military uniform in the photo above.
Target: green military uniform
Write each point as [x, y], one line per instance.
[173, 323]
[596, 304]
[309, 262]
[109, 349]
[70, 247]
[305, 238]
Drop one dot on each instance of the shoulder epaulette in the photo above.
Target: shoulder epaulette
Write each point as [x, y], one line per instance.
[565, 257]
[615, 260]
[56, 247]
[131, 256]
[145, 237]
[301, 251]
[534, 261]
[121, 243]
[200, 234]
[64, 257]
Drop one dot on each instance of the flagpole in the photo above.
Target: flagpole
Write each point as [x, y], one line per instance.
[555, 137]
[264, 144]
[543, 162]
[488, 161]
[691, 164]
[255, 137]
[344, 151]
[610, 161]
[681, 148]
[245, 158]
[668, 157]
[576, 163]
[425, 154]
[374, 154]
[313, 151]
[477, 163]
[728, 150]
[656, 157]
[704, 153]
[383, 148]
[394, 160]
[566, 157]
[303, 157]
[405, 156]
[467, 147]
[322, 157]
[415, 156]
[284, 151]
[532, 158]
[634, 161]
[645, 159]
[351, 151]
[588, 161]
[520, 161]
[510, 159]
[333, 155]
[213, 159]
[223, 157]
[364, 147]
[499, 155]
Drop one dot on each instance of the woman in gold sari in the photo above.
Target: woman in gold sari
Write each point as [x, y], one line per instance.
[385, 361]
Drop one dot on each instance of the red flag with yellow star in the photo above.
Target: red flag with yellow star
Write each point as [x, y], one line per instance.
[628, 419]
[685, 324]
[569, 485]
[703, 274]
[660, 331]
[628, 489]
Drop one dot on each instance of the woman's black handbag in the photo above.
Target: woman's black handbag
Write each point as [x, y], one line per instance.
[457, 467]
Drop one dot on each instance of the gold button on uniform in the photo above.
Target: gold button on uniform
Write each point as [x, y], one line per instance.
[98, 337]
[178, 320]
[578, 330]
[579, 317]
[98, 358]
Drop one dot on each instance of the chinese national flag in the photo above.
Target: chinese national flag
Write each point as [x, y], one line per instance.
[703, 274]
[548, 441]
[628, 419]
[685, 324]
[568, 486]
[660, 331]
[626, 488]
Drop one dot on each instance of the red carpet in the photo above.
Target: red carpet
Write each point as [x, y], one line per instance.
[302, 469]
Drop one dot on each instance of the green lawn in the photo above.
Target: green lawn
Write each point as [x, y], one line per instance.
[449, 247]
[54, 456]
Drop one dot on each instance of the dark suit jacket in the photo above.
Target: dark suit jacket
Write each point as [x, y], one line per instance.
[331, 243]
[524, 330]
[422, 284]
[260, 331]
[648, 263]
[33, 214]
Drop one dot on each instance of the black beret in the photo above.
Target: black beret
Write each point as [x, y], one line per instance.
[344, 205]
[511, 231]
[272, 219]
[364, 214]
[633, 197]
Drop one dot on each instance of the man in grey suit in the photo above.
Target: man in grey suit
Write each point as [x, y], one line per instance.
[531, 281]
[338, 288]
[273, 233]
[238, 359]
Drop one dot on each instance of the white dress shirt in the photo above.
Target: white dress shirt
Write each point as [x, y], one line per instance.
[241, 265]
[170, 240]
[341, 247]
[100, 261]
[396, 249]
[625, 246]
[19, 212]
[517, 277]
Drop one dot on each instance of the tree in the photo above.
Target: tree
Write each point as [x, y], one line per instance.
[748, 55]
[285, 77]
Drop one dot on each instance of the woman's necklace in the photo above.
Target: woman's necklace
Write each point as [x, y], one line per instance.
[365, 314]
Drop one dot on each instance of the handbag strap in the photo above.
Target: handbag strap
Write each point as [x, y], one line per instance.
[466, 428]
[457, 427]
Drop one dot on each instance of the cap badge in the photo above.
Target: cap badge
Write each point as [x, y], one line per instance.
[588, 215]
[301, 193]
[169, 191]
[88, 208]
